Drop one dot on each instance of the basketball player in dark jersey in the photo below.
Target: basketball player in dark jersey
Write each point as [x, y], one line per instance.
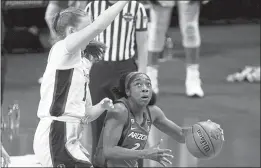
[127, 127]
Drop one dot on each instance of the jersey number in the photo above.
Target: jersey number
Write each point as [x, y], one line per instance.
[85, 86]
[136, 146]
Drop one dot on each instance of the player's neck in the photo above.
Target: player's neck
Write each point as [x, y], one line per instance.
[136, 109]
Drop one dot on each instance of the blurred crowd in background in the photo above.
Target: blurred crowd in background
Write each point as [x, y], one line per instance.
[32, 31]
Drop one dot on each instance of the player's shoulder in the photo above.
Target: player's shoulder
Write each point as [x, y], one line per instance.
[155, 111]
[57, 51]
[154, 108]
[120, 112]
[120, 108]
[59, 43]
[59, 47]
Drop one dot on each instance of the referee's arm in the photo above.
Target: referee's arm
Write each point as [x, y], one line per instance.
[142, 38]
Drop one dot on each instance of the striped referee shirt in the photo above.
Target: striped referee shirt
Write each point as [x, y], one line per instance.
[120, 36]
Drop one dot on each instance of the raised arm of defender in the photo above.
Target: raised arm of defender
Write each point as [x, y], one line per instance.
[81, 39]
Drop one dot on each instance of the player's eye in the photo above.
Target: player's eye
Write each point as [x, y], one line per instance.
[139, 84]
[148, 84]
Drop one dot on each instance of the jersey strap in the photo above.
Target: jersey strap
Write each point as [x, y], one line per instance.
[125, 128]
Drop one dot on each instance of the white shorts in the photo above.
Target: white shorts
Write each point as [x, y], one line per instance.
[57, 144]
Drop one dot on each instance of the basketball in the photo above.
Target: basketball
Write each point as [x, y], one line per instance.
[205, 140]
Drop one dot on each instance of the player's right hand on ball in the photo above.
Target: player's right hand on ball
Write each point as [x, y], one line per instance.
[186, 130]
[107, 104]
[159, 155]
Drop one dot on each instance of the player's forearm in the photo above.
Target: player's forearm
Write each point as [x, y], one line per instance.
[93, 112]
[142, 48]
[118, 152]
[81, 39]
[173, 130]
[176, 134]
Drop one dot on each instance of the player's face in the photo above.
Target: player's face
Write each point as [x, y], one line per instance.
[141, 90]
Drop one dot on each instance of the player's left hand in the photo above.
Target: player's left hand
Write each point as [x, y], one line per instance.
[107, 104]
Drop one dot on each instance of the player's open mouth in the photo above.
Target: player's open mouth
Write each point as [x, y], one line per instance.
[145, 97]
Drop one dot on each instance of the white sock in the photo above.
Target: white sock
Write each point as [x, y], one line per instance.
[193, 70]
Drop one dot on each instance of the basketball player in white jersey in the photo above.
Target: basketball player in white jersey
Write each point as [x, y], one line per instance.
[65, 103]
[188, 12]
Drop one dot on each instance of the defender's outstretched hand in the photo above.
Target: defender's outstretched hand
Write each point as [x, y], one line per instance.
[107, 104]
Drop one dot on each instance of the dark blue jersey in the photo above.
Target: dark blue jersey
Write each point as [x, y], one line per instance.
[134, 136]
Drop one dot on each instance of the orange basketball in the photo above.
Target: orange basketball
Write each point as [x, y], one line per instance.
[205, 140]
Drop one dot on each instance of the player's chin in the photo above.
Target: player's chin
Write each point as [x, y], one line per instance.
[144, 101]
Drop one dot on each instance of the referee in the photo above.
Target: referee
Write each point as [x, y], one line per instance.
[126, 39]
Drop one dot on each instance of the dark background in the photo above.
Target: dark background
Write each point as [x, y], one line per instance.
[215, 10]
[19, 18]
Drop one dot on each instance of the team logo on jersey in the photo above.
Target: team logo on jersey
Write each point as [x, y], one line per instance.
[138, 136]
[128, 17]
[132, 128]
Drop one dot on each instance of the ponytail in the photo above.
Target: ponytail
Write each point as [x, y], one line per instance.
[55, 21]
[94, 50]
